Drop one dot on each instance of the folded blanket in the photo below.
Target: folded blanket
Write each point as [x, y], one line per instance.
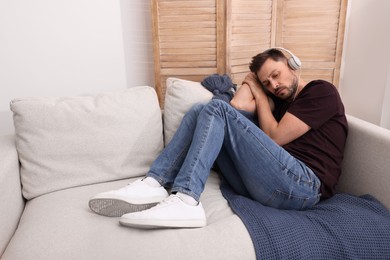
[221, 86]
[342, 227]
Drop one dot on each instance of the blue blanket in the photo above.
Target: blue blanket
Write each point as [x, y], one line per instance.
[343, 227]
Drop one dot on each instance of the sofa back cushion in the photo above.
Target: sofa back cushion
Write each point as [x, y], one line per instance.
[73, 141]
[180, 96]
[366, 164]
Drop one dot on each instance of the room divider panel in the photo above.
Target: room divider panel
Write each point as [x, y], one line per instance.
[193, 39]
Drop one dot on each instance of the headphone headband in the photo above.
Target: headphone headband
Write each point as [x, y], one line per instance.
[294, 62]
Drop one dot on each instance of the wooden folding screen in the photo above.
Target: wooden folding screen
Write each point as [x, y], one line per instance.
[193, 39]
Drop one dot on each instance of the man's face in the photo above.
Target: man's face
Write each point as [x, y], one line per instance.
[278, 79]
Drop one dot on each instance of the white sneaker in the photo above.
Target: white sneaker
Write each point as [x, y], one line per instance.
[170, 213]
[134, 197]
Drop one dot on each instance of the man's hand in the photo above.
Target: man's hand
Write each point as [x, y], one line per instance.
[255, 87]
[257, 90]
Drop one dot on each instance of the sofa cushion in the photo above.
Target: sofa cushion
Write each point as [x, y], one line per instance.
[60, 226]
[180, 96]
[71, 141]
[366, 163]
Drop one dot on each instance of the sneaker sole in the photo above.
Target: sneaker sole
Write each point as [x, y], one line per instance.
[153, 224]
[116, 208]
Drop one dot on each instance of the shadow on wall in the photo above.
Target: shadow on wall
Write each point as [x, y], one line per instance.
[6, 123]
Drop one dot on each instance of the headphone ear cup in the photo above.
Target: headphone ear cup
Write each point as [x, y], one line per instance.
[294, 63]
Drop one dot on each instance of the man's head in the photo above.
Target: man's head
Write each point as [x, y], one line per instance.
[274, 74]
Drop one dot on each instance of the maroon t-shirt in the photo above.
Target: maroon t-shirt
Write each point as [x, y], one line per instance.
[319, 105]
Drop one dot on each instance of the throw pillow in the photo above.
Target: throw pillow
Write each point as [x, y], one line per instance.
[71, 141]
[180, 96]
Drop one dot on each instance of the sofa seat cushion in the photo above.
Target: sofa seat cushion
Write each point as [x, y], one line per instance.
[66, 142]
[59, 225]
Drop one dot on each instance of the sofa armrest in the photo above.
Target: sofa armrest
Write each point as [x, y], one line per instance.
[12, 202]
[366, 161]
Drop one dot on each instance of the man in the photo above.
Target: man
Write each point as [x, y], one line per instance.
[290, 161]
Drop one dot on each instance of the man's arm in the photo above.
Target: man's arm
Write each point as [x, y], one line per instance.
[243, 99]
[283, 132]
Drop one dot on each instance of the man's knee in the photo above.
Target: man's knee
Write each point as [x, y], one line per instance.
[214, 105]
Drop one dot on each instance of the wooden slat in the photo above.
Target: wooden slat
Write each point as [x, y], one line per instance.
[194, 32]
[190, 64]
[188, 38]
[173, 5]
[186, 18]
[185, 58]
[188, 25]
[184, 45]
[189, 71]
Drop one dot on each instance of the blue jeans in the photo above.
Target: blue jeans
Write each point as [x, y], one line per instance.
[252, 163]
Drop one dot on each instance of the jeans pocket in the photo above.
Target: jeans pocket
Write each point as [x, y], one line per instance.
[284, 200]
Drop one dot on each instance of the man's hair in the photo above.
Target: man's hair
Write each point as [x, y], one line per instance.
[258, 60]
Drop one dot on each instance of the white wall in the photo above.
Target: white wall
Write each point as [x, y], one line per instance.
[365, 76]
[71, 47]
[55, 48]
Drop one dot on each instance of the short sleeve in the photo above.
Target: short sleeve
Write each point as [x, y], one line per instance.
[315, 104]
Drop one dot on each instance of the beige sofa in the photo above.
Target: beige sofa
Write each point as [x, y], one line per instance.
[65, 150]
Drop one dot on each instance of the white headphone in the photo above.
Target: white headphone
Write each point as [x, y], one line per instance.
[294, 62]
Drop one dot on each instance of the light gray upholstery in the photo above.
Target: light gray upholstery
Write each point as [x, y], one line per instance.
[366, 165]
[60, 225]
[12, 202]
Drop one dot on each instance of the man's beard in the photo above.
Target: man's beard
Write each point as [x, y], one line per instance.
[291, 91]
